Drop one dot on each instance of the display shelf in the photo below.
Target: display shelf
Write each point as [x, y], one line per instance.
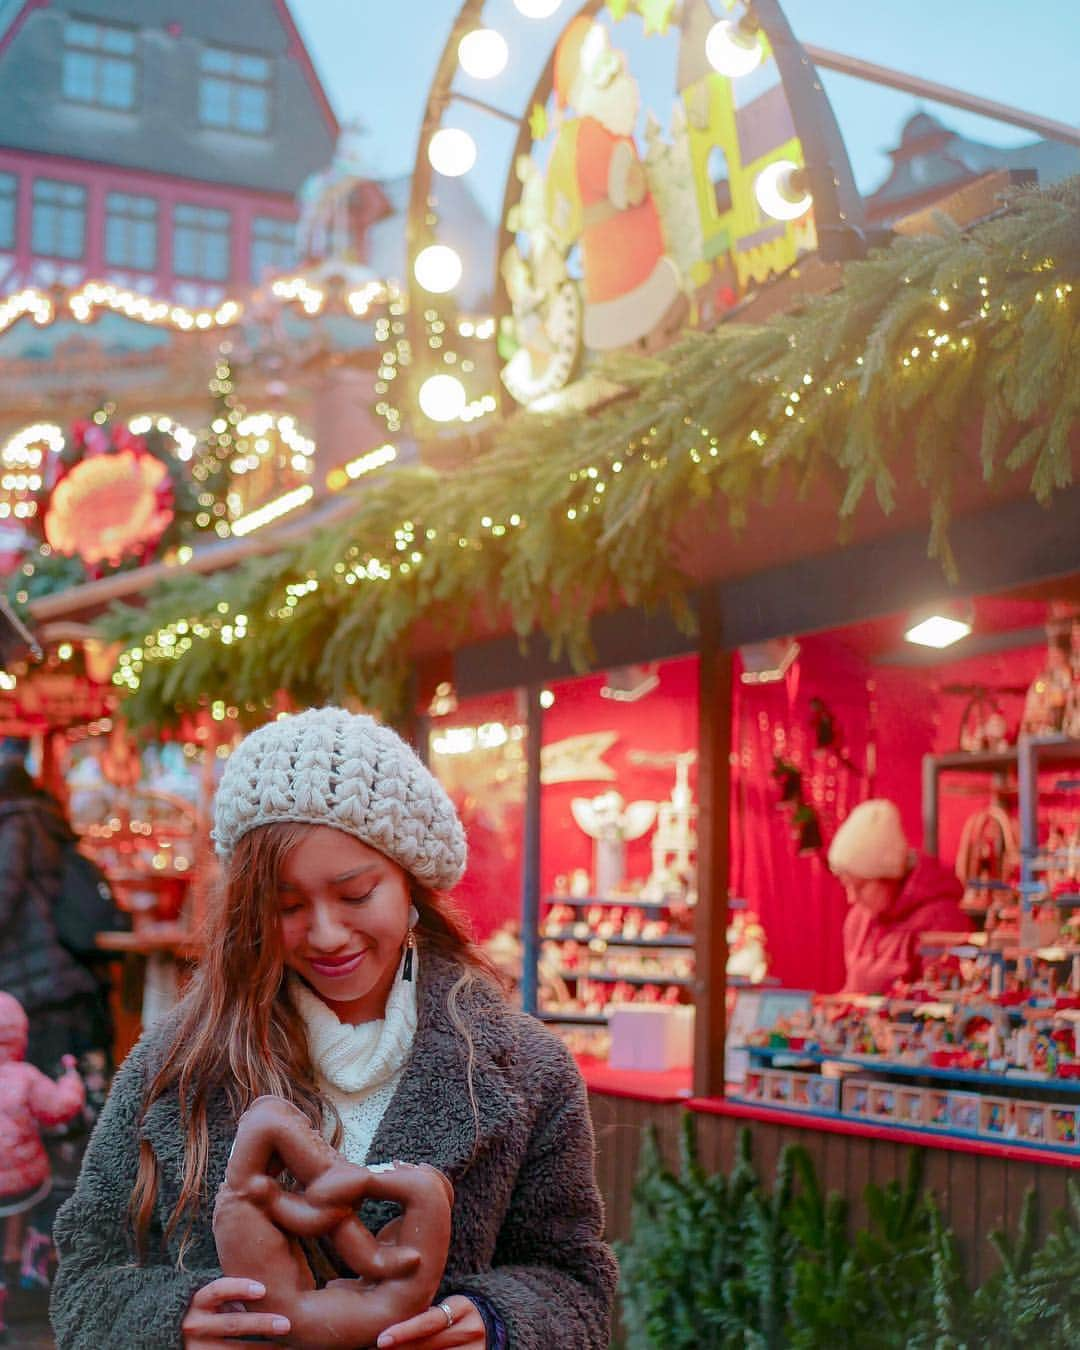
[568, 935]
[771, 1055]
[574, 1018]
[918, 1135]
[613, 901]
[672, 942]
[603, 977]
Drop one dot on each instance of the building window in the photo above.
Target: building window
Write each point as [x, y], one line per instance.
[201, 243]
[273, 246]
[234, 91]
[58, 228]
[99, 65]
[131, 231]
[9, 185]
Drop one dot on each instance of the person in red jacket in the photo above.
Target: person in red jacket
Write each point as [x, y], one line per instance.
[28, 1100]
[895, 894]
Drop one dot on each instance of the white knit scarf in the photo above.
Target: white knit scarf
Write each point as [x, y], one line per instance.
[359, 1067]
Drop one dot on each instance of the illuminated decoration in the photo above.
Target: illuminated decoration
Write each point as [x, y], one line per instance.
[274, 510]
[299, 289]
[437, 268]
[361, 300]
[363, 464]
[452, 152]
[442, 398]
[464, 740]
[23, 461]
[115, 502]
[183, 439]
[483, 53]
[623, 230]
[781, 191]
[103, 295]
[479, 407]
[938, 631]
[732, 50]
[30, 301]
[673, 234]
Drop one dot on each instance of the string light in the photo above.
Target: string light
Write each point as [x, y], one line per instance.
[363, 464]
[280, 506]
[29, 301]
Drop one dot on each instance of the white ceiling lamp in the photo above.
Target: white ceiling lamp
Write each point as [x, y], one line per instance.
[451, 152]
[483, 53]
[781, 190]
[938, 631]
[442, 398]
[732, 49]
[437, 268]
[537, 9]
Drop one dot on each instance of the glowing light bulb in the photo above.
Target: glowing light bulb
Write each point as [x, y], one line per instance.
[732, 51]
[781, 192]
[938, 631]
[483, 53]
[442, 398]
[452, 152]
[537, 9]
[437, 268]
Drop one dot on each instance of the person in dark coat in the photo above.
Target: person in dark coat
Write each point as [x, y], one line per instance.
[63, 1000]
[338, 976]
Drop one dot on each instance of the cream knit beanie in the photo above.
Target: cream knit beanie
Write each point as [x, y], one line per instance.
[329, 767]
[870, 843]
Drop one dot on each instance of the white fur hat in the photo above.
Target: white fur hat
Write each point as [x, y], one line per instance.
[330, 767]
[870, 843]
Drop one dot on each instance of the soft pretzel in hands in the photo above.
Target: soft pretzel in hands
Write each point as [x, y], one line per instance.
[258, 1225]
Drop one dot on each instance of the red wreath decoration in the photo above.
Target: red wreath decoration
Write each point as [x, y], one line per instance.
[111, 499]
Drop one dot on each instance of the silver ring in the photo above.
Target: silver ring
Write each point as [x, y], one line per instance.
[448, 1313]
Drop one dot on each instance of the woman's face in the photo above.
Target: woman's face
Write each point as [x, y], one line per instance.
[344, 912]
[874, 894]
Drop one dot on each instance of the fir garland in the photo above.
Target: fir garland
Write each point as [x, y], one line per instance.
[882, 380]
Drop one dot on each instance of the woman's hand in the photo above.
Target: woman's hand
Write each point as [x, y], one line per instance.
[216, 1319]
[430, 1330]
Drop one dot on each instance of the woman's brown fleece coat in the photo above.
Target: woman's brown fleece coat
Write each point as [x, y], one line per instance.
[527, 1216]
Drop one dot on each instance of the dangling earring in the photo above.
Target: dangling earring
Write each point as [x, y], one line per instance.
[410, 944]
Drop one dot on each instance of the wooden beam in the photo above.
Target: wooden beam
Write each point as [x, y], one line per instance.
[715, 691]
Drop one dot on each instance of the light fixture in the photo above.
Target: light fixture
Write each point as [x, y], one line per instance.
[733, 49]
[767, 662]
[437, 268]
[626, 684]
[442, 398]
[483, 53]
[781, 190]
[537, 9]
[451, 152]
[938, 631]
[547, 698]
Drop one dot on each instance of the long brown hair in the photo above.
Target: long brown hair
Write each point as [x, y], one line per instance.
[238, 1032]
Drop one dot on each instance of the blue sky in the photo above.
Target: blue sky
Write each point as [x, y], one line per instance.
[377, 57]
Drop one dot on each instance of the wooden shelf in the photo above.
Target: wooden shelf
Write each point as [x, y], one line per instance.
[681, 940]
[598, 977]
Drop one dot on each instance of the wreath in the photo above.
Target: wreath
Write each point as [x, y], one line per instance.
[111, 499]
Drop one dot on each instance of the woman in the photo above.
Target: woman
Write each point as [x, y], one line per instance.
[895, 895]
[338, 976]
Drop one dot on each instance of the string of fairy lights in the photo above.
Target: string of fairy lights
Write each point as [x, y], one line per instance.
[410, 545]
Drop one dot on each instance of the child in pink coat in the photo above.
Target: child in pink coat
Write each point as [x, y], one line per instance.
[28, 1100]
